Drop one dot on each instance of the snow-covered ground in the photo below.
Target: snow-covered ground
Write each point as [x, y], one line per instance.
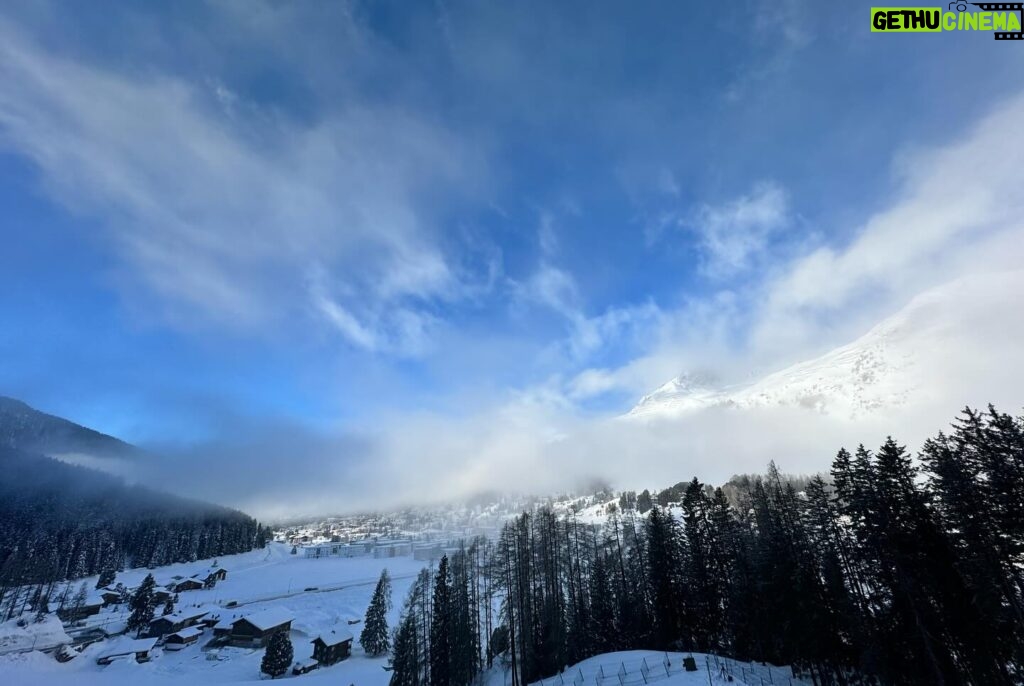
[258, 580]
[642, 667]
[33, 636]
[339, 589]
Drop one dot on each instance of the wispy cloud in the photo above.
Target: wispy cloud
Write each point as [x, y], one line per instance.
[220, 209]
[955, 214]
[736, 233]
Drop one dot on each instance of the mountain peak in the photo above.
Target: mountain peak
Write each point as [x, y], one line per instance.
[895, 363]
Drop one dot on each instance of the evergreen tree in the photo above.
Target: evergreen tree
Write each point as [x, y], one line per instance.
[405, 661]
[464, 641]
[664, 560]
[142, 605]
[107, 576]
[603, 636]
[375, 638]
[278, 656]
[441, 627]
[644, 502]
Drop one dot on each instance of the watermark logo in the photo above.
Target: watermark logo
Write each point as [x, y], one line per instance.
[1004, 19]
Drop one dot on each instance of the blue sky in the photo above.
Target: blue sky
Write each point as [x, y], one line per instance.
[338, 215]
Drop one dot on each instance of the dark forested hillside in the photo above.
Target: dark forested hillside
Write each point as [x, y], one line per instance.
[24, 427]
[898, 572]
[59, 521]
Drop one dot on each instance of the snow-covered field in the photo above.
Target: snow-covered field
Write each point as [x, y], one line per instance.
[339, 589]
[256, 581]
[642, 667]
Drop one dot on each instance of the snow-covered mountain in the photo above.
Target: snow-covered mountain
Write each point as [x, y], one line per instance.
[957, 341]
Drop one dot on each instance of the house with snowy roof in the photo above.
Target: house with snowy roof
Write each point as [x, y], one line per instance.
[175, 621]
[188, 585]
[333, 646]
[256, 629]
[139, 649]
[183, 638]
[71, 612]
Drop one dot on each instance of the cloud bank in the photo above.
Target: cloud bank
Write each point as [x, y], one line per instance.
[226, 213]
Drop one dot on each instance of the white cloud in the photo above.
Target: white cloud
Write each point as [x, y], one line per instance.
[734, 234]
[958, 211]
[550, 287]
[546, 235]
[220, 209]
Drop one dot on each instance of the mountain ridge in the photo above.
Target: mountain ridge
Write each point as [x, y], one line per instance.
[26, 428]
[894, 363]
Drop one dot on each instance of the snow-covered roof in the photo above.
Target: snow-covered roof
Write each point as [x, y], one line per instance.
[336, 636]
[184, 615]
[206, 573]
[208, 609]
[308, 662]
[227, 620]
[138, 645]
[268, 619]
[188, 632]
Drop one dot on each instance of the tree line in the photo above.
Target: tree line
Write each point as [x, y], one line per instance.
[60, 522]
[885, 571]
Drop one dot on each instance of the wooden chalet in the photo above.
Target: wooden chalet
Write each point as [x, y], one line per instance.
[139, 650]
[71, 613]
[176, 621]
[255, 630]
[183, 639]
[215, 573]
[188, 585]
[332, 647]
[111, 596]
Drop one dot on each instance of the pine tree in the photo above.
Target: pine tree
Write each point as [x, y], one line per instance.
[375, 638]
[603, 634]
[664, 561]
[278, 656]
[405, 658]
[169, 605]
[142, 605]
[440, 627]
[107, 576]
[644, 502]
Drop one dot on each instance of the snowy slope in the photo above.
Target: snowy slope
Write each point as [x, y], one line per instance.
[953, 341]
[321, 594]
[643, 667]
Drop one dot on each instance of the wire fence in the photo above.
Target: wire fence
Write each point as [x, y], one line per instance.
[639, 672]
